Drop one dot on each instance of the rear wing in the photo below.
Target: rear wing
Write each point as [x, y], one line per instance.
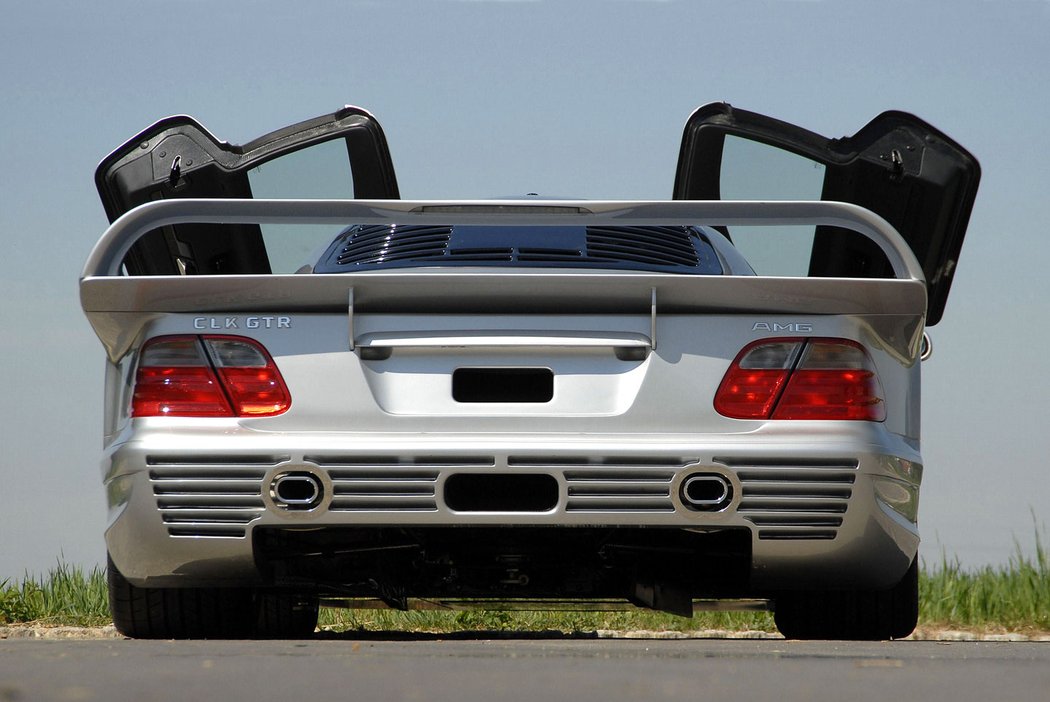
[117, 305]
[109, 253]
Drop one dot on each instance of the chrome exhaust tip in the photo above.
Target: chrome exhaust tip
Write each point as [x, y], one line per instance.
[706, 492]
[296, 490]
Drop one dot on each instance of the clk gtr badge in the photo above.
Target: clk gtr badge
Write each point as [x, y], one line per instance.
[269, 322]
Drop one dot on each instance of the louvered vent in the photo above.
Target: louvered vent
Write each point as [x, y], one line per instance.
[610, 484]
[619, 491]
[645, 248]
[660, 246]
[383, 490]
[793, 499]
[389, 483]
[208, 500]
[380, 243]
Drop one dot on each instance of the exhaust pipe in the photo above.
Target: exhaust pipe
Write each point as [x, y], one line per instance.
[296, 491]
[706, 492]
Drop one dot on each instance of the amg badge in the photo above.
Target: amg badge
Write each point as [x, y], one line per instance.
[800, 327]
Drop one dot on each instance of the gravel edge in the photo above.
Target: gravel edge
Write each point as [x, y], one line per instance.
[31, 631]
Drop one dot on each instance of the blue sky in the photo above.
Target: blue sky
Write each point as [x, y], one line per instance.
[479, 98]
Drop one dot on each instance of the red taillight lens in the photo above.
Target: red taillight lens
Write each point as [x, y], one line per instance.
[802, 379]
[178, 392]
[835, 379]
[210, 376]
[824, 394]
[755, 380]
[249, 375]
[749, 394]
[175, 379]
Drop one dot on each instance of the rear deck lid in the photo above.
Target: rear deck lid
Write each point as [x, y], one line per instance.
[898, 166]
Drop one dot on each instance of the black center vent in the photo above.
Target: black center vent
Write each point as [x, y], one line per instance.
[381, 243]
[673, 249]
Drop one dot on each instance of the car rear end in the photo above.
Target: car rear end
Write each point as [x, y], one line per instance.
[537, 433]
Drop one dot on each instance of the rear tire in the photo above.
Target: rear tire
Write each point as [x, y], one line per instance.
[862, 615]
[282, 615]
[207, 613]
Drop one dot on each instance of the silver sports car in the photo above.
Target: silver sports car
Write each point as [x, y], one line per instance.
[317, 392]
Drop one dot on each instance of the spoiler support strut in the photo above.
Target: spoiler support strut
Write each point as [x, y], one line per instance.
[350, 316]
[652, 319]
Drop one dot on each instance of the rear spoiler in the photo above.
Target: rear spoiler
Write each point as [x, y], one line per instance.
[117, 305]
[106, 257]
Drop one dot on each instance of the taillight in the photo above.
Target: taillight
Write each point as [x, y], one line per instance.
[249, 376]
[208, 376]
[802, 379]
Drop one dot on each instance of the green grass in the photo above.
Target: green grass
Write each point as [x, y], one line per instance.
[568, 622]
[66, 596]
[1012, 597]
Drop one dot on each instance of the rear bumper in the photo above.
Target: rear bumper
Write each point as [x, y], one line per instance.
[841, 515]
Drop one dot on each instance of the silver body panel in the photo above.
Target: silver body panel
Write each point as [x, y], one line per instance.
[830, 503]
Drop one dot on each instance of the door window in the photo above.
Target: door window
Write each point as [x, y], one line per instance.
[903, 169]
[752, 170]
[321, 171]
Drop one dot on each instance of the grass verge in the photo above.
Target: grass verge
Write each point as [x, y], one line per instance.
[67, 596]
[1014, 597]
[570, 622]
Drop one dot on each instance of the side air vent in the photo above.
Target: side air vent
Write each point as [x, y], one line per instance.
[209, 501]
[789, 499]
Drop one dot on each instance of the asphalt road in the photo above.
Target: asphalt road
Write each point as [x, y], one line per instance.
[423, 668]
